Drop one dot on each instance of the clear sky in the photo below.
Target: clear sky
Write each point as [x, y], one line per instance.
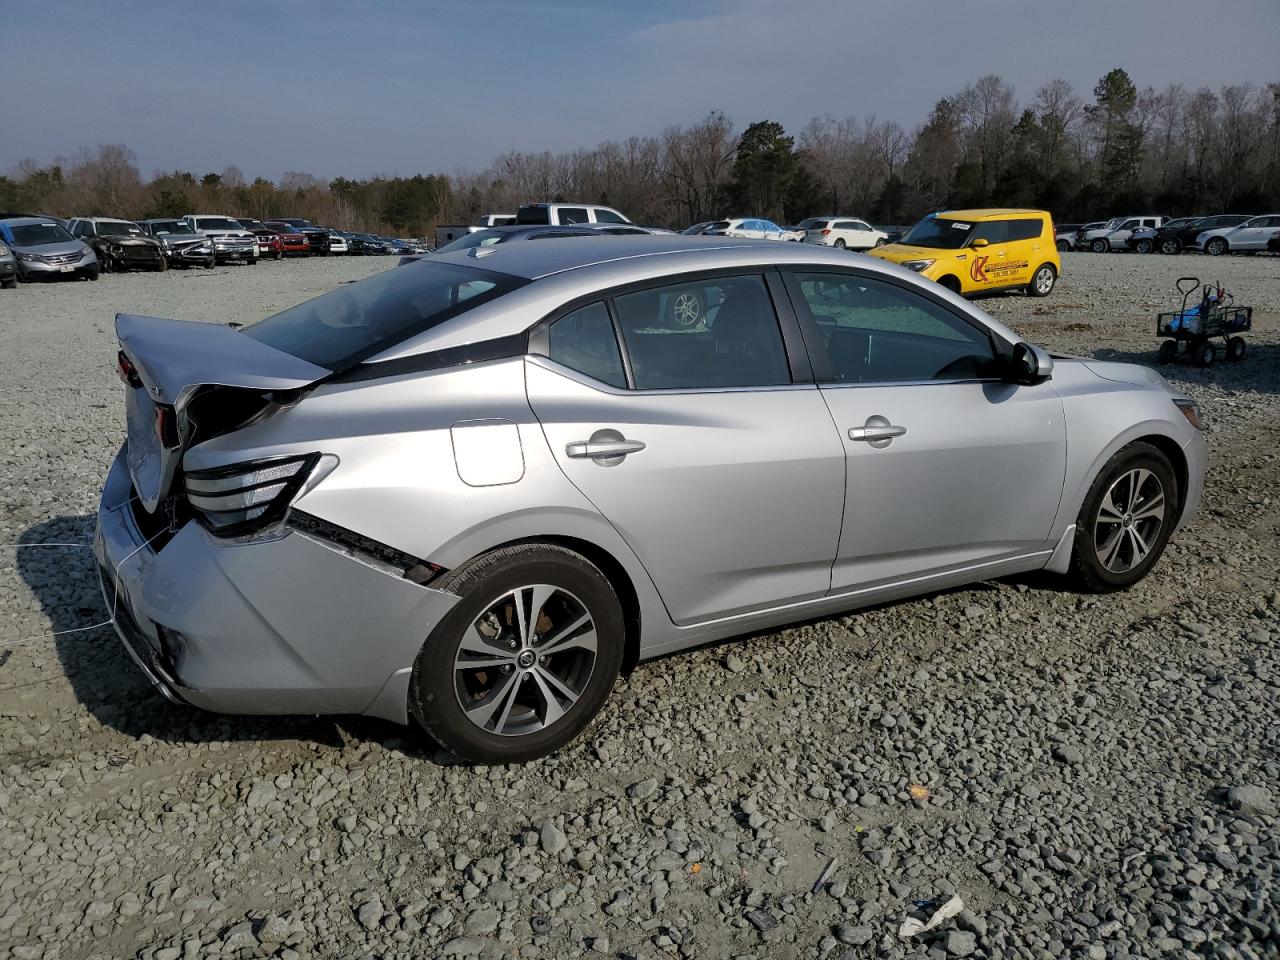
[405, 86]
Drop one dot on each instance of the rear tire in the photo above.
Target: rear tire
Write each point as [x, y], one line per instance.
[1063, 246]
[1042, 281]
[555, 588]
[839, 244]
[1121, 532]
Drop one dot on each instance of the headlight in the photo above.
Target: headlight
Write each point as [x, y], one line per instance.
[243, 496]
[117, 248]
[29, 257]
[205, 247]
[1191, 410]
[917, 265]
[4, 251]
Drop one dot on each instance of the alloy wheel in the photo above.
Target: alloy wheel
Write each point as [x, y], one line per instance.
[1044, 281]
[686, 309]
[1130, 517]
[525, 661]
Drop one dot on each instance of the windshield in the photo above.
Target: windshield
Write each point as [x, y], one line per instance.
[39, 234]
[170, 226]
[283, 227]
[118, 228]
[939, 232]
[340, 328]
[252, 224]
[481, 238]
[217, 223]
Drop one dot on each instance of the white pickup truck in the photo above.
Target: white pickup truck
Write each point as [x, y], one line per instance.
[450, 232]
[231, 241]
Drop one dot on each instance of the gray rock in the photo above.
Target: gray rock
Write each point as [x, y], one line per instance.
[552, 838]
[1252, 800]
[852, 935]
[642, 789]
[370, 914]
[1067, 753]
[960, 943]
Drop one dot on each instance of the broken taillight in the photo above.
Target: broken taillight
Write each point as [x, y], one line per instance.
[166, 426]
[126, 371]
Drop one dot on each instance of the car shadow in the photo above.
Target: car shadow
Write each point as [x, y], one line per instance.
[106, 681]
[1258, 372]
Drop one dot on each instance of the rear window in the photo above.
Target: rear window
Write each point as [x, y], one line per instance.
[535, 214]
[571, 215]
[357, 320]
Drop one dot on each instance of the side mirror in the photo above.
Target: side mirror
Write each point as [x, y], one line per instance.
[979, 242]
[1029, 364]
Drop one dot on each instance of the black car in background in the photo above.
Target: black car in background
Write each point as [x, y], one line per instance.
[371, 245]
[1177, 235]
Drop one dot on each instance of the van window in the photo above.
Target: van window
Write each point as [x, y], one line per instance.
[1025, 229]
[568, 215]
[992, 231]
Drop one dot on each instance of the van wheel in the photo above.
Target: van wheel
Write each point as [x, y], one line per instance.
[524, 660]
[1042, 281]
[1125, 520]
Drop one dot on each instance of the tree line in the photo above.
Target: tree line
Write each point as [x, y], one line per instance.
[1118, 150]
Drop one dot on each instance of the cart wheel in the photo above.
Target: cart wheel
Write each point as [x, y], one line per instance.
[1203, 354]
[1168, 352]
[1236, 349]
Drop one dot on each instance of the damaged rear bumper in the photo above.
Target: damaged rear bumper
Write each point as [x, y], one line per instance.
[289, 624]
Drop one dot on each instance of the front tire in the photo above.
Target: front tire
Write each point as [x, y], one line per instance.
[1170, 246]
[1100, 246]
[524, 660]
[1126, 520]
[1216, 247]
[1042, 281]
[1063, 246]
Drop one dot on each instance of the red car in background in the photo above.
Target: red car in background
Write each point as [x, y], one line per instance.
[269, 244]
[293, 242]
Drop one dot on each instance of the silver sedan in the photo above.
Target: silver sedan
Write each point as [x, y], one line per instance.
[471, 490]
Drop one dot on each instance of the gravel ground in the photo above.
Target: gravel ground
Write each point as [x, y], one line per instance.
[1094, 776]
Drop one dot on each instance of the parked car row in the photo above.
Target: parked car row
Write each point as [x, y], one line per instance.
[38, 247]
[1214, 235]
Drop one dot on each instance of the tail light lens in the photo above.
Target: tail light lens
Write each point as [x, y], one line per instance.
[246, 496]
[825, 232]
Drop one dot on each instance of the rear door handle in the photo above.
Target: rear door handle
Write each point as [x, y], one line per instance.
[606, 447]
[877, 431]
[602, 449]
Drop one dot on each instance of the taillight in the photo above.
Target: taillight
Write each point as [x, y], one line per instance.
[126, 371]
[166, 426]
[237, 498]
[825, 232]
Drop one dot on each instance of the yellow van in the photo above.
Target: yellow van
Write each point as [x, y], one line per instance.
[973, 251]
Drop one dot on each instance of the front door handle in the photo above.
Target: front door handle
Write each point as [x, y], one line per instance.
[606, 447]
[877, 431]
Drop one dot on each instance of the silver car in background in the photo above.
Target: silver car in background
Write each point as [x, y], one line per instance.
[471, 490]
[45, 250]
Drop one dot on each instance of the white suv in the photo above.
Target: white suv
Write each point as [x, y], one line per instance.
[1113, 234]
[231, 241]
[562, 214]
[843, 233]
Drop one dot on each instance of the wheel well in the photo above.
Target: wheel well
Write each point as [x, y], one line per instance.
[1176, 457]
[950, 282]
[618, 578]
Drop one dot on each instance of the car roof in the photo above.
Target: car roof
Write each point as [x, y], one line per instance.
[25, 221]
[679, 252]
[990, 213]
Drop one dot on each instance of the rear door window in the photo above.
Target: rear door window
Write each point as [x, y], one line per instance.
[992, 231]
[605, 215]
[585, 341]
[1025, 229]
[568, 215]
[704, 334]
